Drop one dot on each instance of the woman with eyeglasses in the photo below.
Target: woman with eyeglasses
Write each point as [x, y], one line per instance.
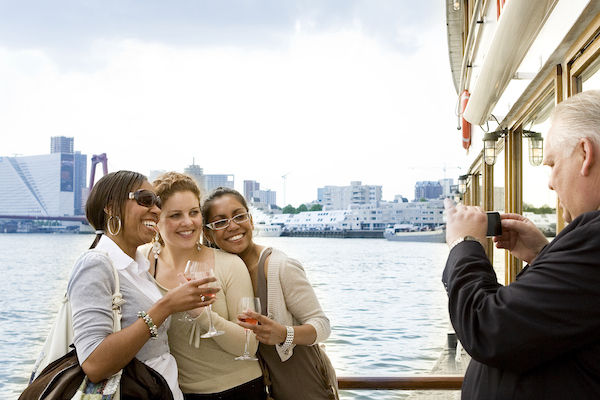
[207, 369]
[124, 210]
[291, 320]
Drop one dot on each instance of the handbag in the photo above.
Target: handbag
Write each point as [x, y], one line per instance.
[326, 371]
[315, 354]
[62, 379]
[61, 371]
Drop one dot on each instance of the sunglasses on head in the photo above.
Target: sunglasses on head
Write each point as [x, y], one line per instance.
[145, 198]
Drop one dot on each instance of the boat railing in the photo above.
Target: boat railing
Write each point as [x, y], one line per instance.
[425, 382]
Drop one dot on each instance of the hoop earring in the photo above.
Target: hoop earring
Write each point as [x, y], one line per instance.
[109, 227]
[199, 244]
[156, 247]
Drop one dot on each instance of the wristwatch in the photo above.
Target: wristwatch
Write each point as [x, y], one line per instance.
[462, 239]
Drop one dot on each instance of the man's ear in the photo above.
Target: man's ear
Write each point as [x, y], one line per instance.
[589, 155]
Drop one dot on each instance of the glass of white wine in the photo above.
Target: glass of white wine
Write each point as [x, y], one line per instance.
[253, 304]
[201, 270]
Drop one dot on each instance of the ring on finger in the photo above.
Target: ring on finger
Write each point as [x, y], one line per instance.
[202, 298]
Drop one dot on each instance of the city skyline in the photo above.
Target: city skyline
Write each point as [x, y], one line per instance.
[318, 92]
[61, 144]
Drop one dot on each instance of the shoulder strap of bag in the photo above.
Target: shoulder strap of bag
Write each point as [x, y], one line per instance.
[117, 298]
[261, 284]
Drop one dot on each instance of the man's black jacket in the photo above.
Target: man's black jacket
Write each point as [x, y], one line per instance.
[539, 337]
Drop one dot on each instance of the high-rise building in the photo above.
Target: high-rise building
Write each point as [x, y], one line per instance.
[208, 182]
[249, 188]
[428, 190]
[61, 144]
[213, 181]
[447, 184]
[37, 185]
[260, 198]
[341, 197]
[197, 174]
[80, 190]
[73, 169]
[268, 197]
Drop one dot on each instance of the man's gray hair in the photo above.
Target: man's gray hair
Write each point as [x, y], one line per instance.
[578, 117]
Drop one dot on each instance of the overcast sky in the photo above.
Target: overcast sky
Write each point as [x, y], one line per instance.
[326, 92]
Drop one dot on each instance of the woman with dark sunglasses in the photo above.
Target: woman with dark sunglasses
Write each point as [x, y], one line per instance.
[124, 211]
[291, 322]
[207, 369]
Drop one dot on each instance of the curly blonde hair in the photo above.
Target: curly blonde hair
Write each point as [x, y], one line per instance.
[169, 183]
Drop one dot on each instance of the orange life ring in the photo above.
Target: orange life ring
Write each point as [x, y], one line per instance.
[465, 125]
[499, 7]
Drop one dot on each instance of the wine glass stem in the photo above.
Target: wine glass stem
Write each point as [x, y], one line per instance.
[210, 323]
[247, 331]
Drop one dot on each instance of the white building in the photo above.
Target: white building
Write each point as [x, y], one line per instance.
[375, 216]
[341, 197]
[37, 185]
[447, 184]
[317, 220]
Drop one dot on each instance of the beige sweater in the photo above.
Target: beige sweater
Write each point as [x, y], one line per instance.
[208, 365]
[291, 299]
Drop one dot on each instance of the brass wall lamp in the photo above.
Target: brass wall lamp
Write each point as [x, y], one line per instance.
[536, 150]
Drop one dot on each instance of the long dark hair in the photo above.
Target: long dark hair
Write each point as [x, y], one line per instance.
[211, 197]
[111, 191]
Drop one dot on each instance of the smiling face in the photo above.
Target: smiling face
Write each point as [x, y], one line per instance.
[180, 222]
[236, 238]
[139, 223]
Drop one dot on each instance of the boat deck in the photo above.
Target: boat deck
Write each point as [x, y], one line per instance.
[446, 365]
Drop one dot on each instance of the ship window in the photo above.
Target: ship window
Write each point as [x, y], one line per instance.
[539, 202]
[590, 78]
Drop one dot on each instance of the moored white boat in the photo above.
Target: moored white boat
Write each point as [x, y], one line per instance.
[404, 233]
[267, 230]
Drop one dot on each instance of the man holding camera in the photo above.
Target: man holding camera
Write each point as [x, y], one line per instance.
[539, 337]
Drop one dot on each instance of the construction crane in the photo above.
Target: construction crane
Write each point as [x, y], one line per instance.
[284, 177]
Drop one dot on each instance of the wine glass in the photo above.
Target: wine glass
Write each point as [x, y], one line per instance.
[201, 270]
[189, 273]
[253, 304]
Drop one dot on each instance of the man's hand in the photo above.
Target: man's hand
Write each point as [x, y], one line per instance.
[521, 237]
[464, 221]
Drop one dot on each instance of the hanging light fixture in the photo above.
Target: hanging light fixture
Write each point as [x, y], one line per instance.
[456, 5]
[462, 183]
[489, 146]
[536, 147]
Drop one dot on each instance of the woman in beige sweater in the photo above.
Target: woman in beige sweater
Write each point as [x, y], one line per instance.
[207, 369]
[292, 320]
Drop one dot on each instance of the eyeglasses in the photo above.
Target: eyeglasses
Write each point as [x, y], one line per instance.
[224, 223]
[145, 198]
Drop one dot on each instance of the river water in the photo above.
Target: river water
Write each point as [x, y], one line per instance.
[385, 300]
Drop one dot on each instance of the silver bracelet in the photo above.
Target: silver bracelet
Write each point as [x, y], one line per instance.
[148, 320]
[289, 339]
